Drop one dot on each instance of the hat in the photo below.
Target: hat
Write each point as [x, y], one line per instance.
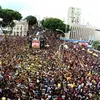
[90, 94]
[0, 63]
[72, 85]
[59, 85]
[3, 98]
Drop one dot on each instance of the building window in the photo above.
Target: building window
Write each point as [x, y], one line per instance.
[21, 28]
[72, 21]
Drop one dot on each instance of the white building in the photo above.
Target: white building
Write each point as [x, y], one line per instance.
[81, 32]
[1, 31]
[20, 28]
[97, 35]
[74, 15]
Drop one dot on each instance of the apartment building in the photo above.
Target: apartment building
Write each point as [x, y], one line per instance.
[74, 15]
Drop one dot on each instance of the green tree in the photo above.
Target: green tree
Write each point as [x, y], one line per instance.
[9, 29]
[0, 8]
[67, 28]
[31, 20]
[96, 44]
[9, 15]
[53, 24]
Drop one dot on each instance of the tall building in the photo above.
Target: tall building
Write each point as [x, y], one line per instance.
[74, 15]
[20, 28]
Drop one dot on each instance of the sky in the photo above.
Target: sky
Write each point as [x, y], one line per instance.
[56, 8]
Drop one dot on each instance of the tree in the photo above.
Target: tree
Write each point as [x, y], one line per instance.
[0, 8]
[53, 24]
[31, 20]
[9, 29]
[67, 28]
[96, 44]
[8, 16]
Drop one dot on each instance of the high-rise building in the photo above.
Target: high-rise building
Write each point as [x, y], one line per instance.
[74, 15]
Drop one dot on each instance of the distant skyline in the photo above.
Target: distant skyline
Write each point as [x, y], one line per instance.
[56, 8]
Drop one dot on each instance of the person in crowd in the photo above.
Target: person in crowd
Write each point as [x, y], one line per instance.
[39, 74]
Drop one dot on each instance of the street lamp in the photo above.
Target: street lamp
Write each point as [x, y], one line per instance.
[62, 46]
[59, 30]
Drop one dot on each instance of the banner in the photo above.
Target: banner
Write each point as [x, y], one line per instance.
[36, 44]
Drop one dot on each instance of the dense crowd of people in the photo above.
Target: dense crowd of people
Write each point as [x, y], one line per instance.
[72, 73]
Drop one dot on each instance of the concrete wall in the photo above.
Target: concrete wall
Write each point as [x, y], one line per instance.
[81, 32]
[67, 36]
[97, 35]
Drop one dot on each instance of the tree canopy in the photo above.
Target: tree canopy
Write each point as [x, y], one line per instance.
[96, 44]
[0, 7]
[9, 15]
[67, 28]
[31, 20]
[53, 24]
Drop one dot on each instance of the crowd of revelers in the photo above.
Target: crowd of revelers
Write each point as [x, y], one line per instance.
[48, 74]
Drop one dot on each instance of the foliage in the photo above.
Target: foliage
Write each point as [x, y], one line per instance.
[31, 20]
[9, 15]
[67, 28]
[0, 8]
[53, 24]
[95, 44]
[5, 32]
[12, 24]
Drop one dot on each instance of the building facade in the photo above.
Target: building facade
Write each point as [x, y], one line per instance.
[74, 15]
[1, 31]
[81, 32]
[20, 28]
[97, 35]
